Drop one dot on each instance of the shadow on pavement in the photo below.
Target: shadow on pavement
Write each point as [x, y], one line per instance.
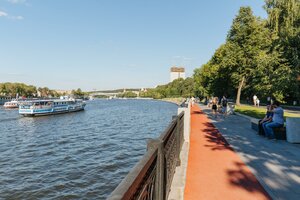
[240, 177]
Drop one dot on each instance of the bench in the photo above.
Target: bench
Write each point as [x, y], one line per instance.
[254, 124]
[280, 133]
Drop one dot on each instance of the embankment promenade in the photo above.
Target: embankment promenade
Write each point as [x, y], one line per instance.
[228, 160]
[223, 158]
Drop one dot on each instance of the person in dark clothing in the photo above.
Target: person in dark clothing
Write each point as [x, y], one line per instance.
[215, 106]
[277, 120]
[224, 103]
[266, 119]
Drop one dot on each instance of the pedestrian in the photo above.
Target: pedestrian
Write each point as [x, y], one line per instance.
[210, 102]
[257, 102]
[193, 101]
[224, 103]
[254, 100]
[215, 106]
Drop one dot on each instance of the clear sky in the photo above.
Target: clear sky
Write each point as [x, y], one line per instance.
[109, 44]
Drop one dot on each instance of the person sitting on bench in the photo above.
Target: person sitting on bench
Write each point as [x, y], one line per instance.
[266, 119]
[277, 120]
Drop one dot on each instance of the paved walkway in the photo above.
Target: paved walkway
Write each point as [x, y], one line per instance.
[215, 170]
[276, 164]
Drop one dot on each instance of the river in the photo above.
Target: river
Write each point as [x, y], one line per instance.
[82, 155]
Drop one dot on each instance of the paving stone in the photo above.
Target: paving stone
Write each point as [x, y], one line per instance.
[275, 163]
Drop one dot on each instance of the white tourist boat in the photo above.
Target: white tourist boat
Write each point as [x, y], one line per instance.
[50, 107]
[11, 104]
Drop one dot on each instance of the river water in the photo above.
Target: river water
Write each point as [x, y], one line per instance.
[82, 155]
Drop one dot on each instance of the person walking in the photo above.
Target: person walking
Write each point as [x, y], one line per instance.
[224, 103]
[214, 106]
[254, 100]
[193, 101]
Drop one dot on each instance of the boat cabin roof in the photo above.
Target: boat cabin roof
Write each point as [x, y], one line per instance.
[51, 100]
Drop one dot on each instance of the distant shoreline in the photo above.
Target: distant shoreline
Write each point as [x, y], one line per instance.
[176, 101]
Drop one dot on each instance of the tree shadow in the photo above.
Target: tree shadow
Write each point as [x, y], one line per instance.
[197, 112]
[214, 136]
[241, 177]
[275, 163]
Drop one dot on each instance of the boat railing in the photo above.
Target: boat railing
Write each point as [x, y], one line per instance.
[151, 178]
[34, 107]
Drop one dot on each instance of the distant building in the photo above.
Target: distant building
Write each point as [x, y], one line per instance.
[143, 89]
[177, 72]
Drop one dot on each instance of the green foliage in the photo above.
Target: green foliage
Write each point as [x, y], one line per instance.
[23, 90]
[78, 93]
[178, 88]
[46, 92]
[284, 21]
[259, 56]
[128, 94]
[12, 89]
[100, 96]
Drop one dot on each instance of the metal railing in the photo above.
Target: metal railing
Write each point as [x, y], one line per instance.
[151, 178]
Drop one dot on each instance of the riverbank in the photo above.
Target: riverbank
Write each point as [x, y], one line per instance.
[177, 101]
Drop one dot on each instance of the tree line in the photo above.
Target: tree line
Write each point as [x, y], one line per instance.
[30, 91]
[260, 56]
[177, 88]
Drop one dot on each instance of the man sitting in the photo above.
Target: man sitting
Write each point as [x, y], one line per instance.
[266, 119]
[277, 120]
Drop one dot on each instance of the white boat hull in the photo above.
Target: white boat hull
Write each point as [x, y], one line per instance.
[50, 110]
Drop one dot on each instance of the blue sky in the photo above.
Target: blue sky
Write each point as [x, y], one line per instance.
[108, 44]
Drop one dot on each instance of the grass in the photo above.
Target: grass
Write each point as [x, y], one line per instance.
[258, 113]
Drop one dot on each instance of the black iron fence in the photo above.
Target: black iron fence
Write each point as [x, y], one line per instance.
[151, 178]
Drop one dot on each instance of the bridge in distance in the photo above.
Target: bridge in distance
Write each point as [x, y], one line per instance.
[110, 94]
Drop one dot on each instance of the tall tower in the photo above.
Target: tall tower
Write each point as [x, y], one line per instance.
[177, 72]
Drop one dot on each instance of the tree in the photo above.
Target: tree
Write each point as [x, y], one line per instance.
[248, 37]
[78, 93]
[259, 56]
[284, 22]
